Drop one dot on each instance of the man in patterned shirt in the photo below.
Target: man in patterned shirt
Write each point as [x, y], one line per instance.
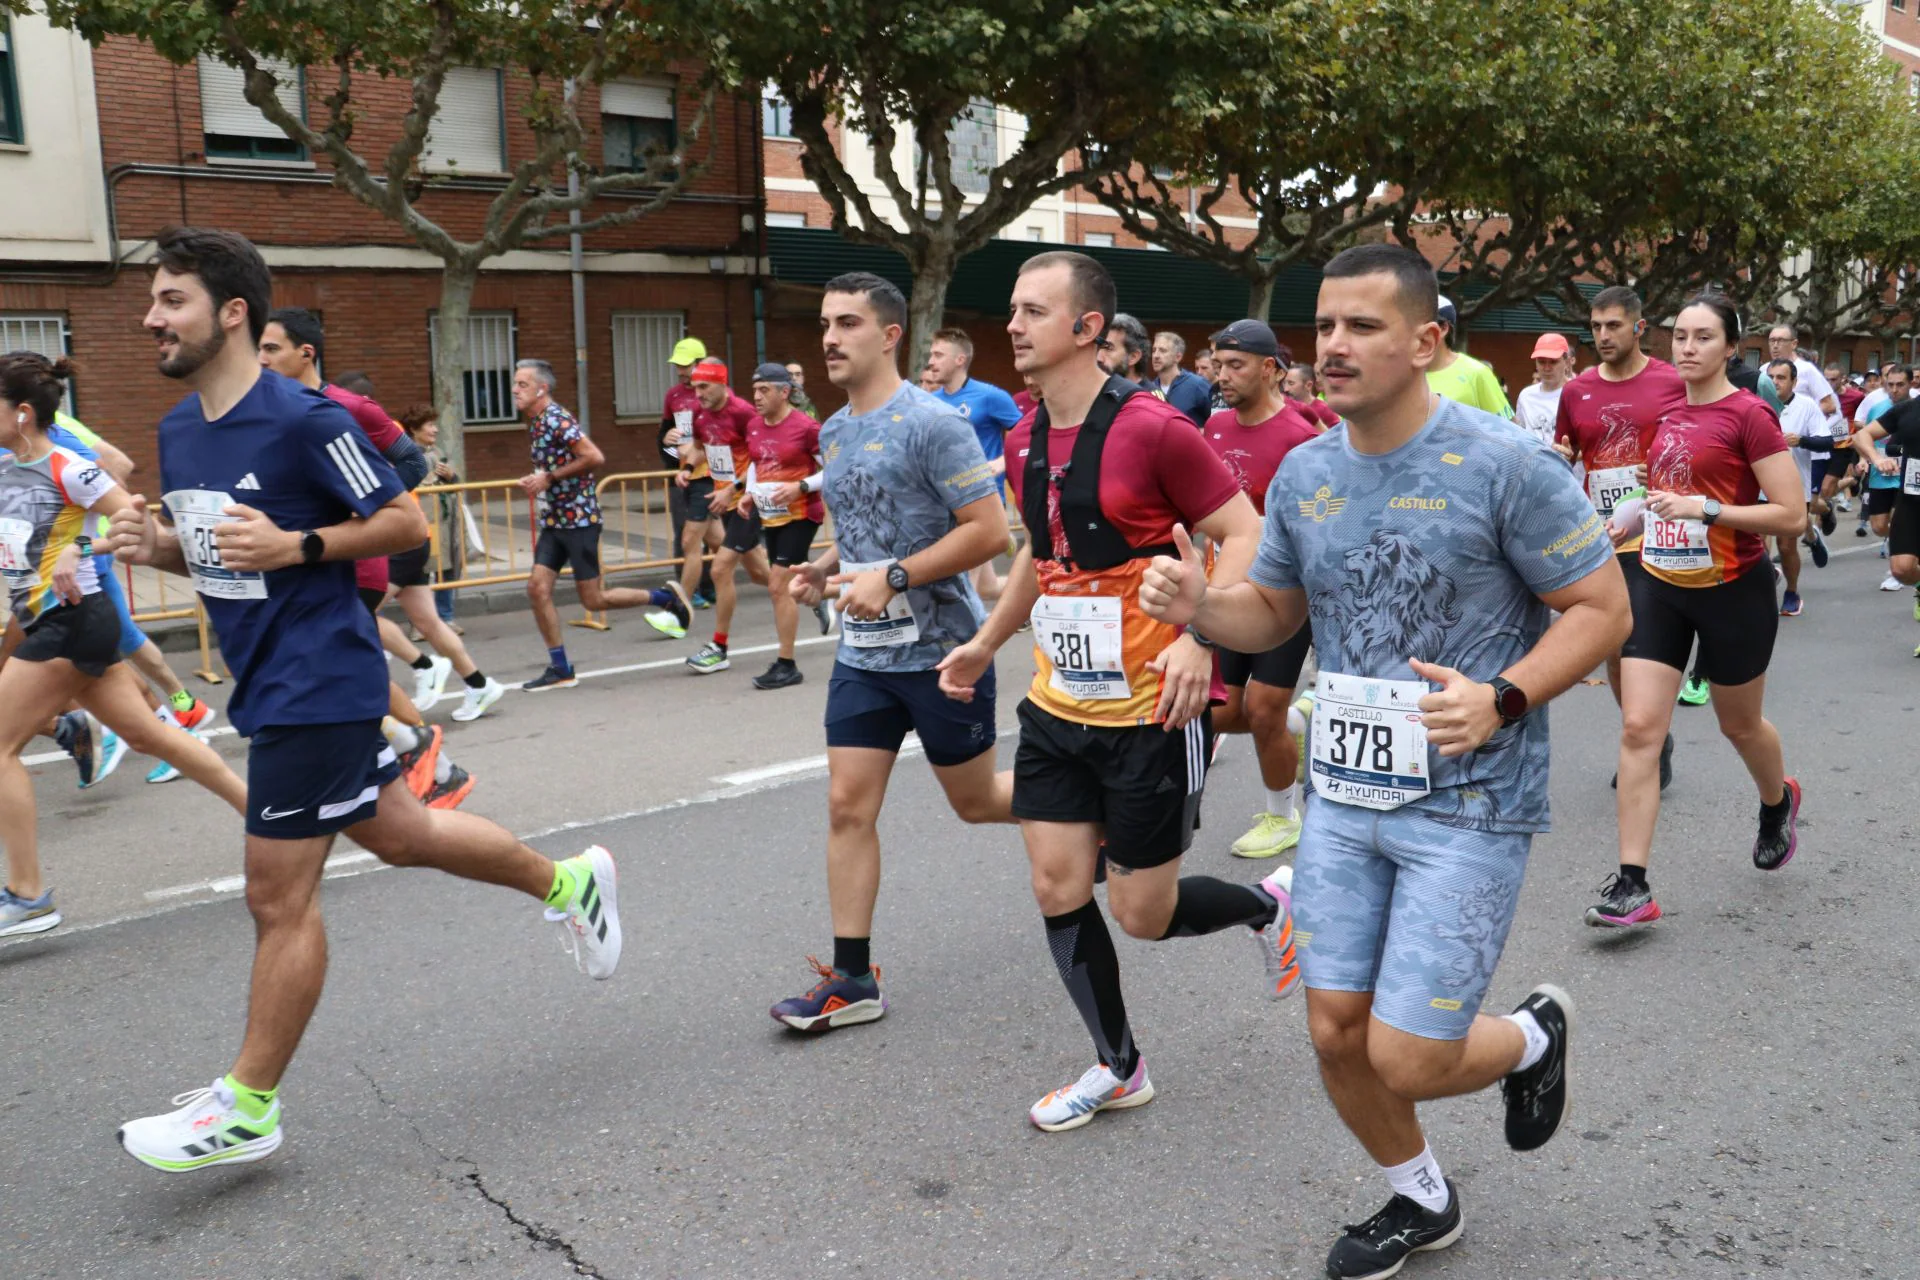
[561, 486]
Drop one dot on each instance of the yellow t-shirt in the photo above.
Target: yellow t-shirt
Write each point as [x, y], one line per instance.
[1471, 382]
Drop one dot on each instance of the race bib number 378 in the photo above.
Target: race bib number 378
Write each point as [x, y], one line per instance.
[1368, 747]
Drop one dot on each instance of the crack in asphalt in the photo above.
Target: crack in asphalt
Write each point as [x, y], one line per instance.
[544, 1237]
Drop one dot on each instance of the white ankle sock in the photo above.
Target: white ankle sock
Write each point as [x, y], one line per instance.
[1281, 803]
[1536, 1037]
[1296, 723]
[1420, 1180]
[442, 768]
[402, 736]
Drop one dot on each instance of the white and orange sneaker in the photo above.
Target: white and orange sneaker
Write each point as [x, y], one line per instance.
[1276, 940]
[1098, 1090]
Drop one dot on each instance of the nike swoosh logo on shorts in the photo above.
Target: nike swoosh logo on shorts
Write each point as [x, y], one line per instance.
[268, 815]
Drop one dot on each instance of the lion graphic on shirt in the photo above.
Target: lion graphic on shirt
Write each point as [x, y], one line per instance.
[1395, 603]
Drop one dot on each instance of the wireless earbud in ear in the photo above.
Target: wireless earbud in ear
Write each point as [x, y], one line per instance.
[1080, 325]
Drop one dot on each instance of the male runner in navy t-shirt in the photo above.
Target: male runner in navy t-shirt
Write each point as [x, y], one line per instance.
[271, 493]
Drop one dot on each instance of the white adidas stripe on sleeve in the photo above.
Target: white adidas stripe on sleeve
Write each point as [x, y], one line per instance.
[353, 468]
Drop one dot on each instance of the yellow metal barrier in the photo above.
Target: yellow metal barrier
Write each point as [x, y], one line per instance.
[168, 609]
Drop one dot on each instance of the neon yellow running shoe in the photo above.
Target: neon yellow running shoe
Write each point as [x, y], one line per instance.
[1272, 835]
[1304, 705]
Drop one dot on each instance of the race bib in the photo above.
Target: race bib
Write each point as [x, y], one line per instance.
[1081, 637]
[196, 514]
[1910, 477]
[893, 627]
[763, 500]
[683, 419]
[17, 568]
[720, 464]
[1367, 746]
[1610, 484]
[1675, 545]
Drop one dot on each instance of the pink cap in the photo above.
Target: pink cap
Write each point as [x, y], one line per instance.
[1552, 346]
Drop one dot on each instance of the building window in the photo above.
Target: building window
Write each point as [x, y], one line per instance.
[1898, 6]
[487, 383]
[42, 333]
[636, 122]
[1036, 233]
[776, 113]
[1099, 240]
[233, 128]
[469, 134]
[974, 143]
[642, 341]
[12, 128]
[776, 219]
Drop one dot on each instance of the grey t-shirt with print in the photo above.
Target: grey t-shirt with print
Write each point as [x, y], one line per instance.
[1439, 551]
[894, 478]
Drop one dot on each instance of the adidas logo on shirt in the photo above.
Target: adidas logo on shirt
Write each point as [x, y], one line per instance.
[248, 482]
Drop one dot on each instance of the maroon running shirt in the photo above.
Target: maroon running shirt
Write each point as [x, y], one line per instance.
[1254, 453]
[1709, 450]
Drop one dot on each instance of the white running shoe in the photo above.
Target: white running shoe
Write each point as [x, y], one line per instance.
[1098, 1090]
[209, 1128]
[590, 923]
[479, 701]
[1891, 583]
[430, 685]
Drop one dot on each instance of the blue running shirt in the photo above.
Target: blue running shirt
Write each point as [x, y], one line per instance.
[302, 648]
[894, 478]
[1438, 550]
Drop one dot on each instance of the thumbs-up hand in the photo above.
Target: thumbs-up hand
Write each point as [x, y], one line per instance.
[1461, 714]
[131, 532]
[1171, 589]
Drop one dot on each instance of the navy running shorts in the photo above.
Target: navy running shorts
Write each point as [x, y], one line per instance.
[877, 709]
[306, 780]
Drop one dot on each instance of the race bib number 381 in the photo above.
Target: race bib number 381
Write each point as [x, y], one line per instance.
[1368, 747]
[1081, 636]
[196, 514]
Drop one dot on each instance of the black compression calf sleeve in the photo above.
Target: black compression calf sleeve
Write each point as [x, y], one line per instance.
[1207, 905]
[1083, 950]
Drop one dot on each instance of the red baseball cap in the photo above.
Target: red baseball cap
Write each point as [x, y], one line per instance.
[1551, 346]
[709, 371]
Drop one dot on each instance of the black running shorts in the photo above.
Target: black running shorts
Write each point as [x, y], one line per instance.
[1279, 666]
[791, 543]
[740, 533]
[86, 634]
[1903, 538]
[579, 547]
[409, 568]
[1735, 623]
[1140, 782]
[307, 780]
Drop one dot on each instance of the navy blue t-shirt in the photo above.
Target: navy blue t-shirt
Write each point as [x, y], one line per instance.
[302, 648]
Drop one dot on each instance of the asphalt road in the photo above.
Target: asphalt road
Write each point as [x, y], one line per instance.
[467, 1105]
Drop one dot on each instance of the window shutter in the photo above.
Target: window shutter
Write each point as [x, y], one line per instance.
[648, 99]
[224, 108]
[465, 134]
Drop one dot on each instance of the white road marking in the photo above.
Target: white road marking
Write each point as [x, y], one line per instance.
[233, 884]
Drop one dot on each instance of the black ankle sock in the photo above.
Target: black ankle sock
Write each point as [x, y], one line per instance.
[1636, 874]
[1208, 905]
[1777, 813]
[478, 680]
[1083, 950]
[851, 956]
[422, 663]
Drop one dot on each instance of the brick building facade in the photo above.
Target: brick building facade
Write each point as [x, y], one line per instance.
[158, 156]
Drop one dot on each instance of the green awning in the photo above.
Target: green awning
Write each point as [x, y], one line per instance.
[1153, 285]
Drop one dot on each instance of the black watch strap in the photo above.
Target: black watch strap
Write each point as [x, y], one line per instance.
[312, 547]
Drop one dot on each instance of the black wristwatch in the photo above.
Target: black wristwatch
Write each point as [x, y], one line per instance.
[312, 547]
[897, 577]
[1510, 700]
[1709, 510]
[1199, 639]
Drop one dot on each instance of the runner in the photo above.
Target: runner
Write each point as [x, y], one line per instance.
[1461, 377]
[1428, 547]
[1605, 421]
[1252, 437]
[1705, 576]
[308, 673]
[1303, 392]
[1892, 440]
[1883, 480]
[720, 432]
[1114, 732]
[561, 486]
[1537, 412]
[676, 426]
[991, 411]
[409, 577]
[62, 633]
[293, 344]
[801, 400]
[1804, 428]
[783, 488]
[705, 527]
[1187, 392]
[915, 509]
